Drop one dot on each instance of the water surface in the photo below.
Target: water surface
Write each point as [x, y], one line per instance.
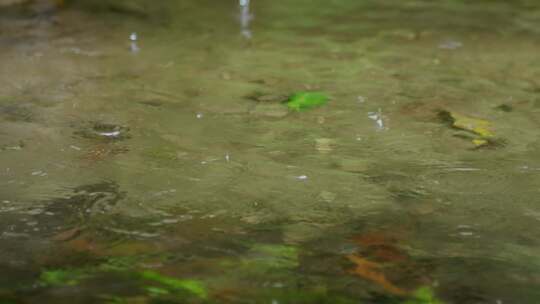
[138, 166]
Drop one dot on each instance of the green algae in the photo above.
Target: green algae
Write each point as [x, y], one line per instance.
[193, 286]
[63, 277]
[124, 266]
[156, 291]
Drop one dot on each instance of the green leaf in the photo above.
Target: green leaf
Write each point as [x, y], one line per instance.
[192, 286]
[306, 100]
[62, 277]
[156, 291]
[423, 295]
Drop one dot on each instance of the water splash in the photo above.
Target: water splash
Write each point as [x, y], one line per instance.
[133, 47]
[378, 118]
[245, 18]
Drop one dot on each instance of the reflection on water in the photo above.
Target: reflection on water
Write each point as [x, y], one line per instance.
[148, 154]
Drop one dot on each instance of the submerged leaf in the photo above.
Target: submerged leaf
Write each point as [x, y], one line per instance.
[305, 100]
[423, 295]
[370, 271]
[480, 142]
[475, 125]
[193, 286]
[156, 291]
[61, 277]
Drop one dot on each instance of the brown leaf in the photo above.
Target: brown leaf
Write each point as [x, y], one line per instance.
[370, 271]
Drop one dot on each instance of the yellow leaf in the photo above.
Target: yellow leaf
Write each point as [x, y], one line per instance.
[478, 126]
[480, 142]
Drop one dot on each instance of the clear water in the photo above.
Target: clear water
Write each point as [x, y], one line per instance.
[134, 168]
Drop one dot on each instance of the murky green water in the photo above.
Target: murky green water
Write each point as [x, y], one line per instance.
[166, 169]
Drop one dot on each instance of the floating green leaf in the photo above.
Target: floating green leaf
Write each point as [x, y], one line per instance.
[192, 286]
[306, 100]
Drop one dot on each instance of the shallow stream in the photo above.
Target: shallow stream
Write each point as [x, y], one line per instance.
[147, 153]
